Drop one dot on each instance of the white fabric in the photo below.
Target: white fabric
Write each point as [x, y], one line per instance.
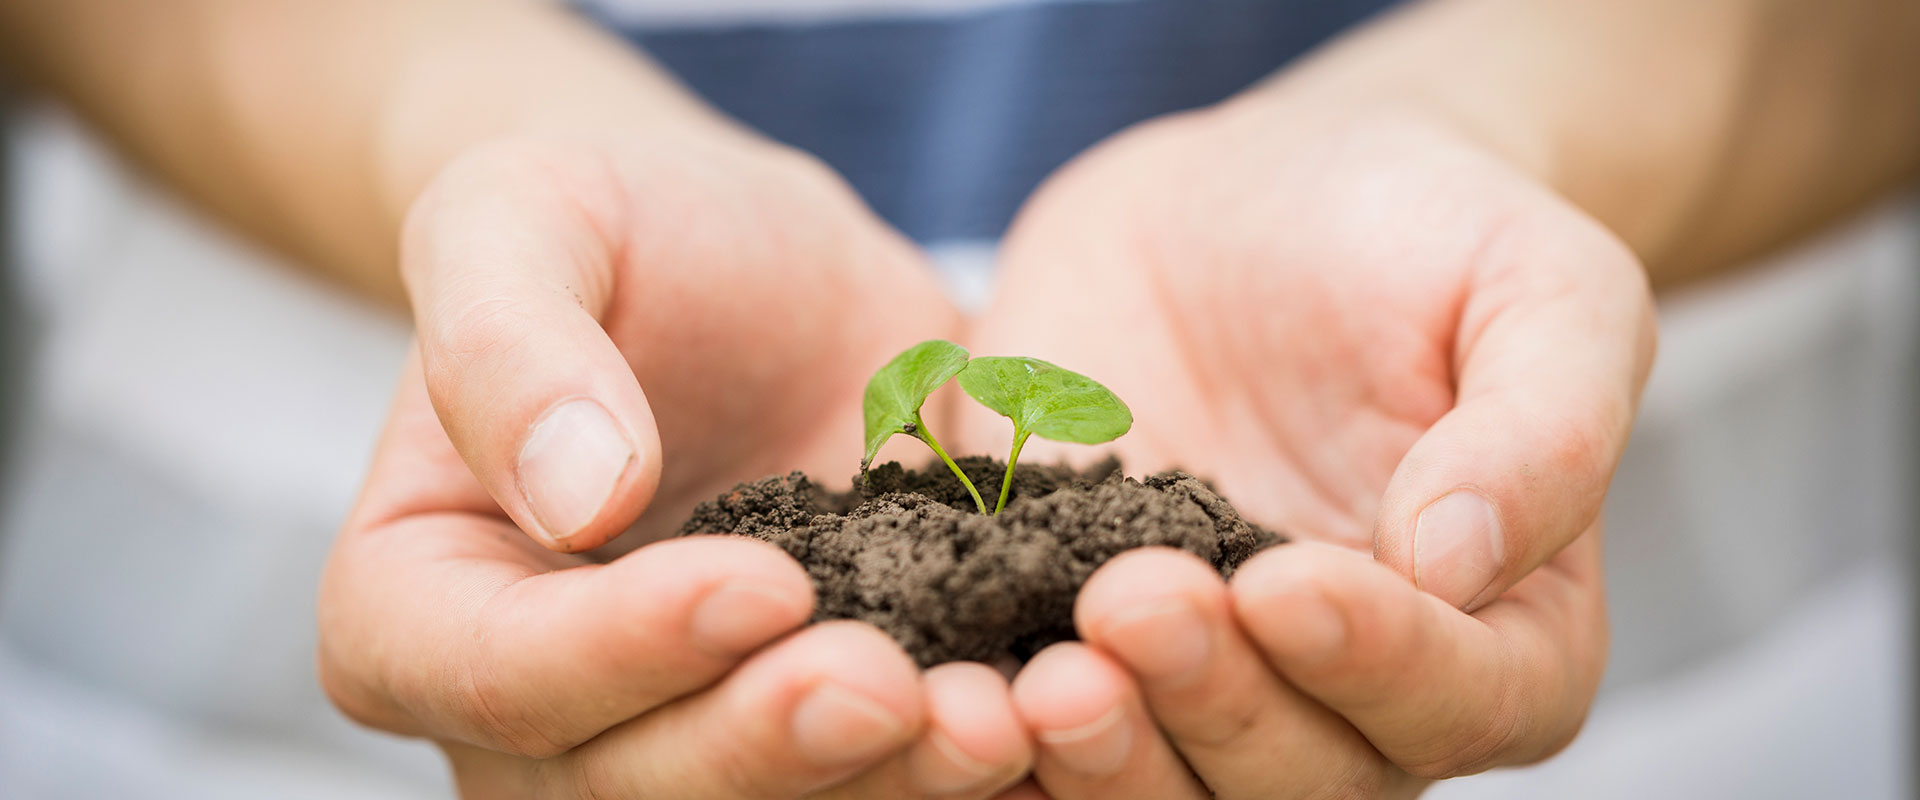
[200, 419]
[1814, 706]
[196, 429]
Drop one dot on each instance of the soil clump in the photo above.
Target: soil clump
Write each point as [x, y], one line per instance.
[907, 551]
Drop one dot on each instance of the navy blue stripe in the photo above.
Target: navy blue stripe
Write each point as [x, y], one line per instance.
[945, 124]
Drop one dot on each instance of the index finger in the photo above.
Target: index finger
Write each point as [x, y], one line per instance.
[1438, 692]
[1554, 342]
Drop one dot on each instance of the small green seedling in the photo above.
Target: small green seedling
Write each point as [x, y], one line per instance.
[1041, 399]
[896, 392]
[1046, 401]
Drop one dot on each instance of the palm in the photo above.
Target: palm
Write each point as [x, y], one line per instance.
[1288, 327]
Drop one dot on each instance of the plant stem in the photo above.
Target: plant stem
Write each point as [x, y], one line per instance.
[1006, 483]
[920, 430]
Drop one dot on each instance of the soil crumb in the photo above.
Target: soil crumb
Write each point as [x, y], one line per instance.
[907, 551]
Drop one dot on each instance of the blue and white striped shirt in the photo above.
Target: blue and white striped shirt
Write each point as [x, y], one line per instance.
[945, 114]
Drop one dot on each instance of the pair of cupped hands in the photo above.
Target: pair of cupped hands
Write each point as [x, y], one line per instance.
[1367, 330]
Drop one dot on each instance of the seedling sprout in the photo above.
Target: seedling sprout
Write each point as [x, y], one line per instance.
[896, 392]
[1041, 399]
[1046, 401]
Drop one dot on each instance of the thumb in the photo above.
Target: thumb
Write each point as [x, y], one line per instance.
[1555, 340]
[508, 270]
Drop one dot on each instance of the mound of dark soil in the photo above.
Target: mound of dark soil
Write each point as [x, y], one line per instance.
[907, 551]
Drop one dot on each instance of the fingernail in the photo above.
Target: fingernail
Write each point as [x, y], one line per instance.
[1457, 547]
[1165, 641]
[741, 615]
[835, 726]
[569, 466]
[1096, 749]
[943, 768]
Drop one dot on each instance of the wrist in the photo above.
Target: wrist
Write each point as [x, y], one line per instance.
[1545, 88]
[529, 72]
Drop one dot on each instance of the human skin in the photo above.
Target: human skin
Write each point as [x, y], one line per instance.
[1449, 399]
[646, 307]
[324, 156]
[609, 282]
[1404, 287]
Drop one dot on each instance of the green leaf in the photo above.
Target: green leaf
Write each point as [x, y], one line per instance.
[1045, 400]
[896, 392]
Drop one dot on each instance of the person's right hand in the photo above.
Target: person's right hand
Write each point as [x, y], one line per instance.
[749, 293]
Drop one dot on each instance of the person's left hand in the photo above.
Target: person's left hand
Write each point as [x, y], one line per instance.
[1376, 336]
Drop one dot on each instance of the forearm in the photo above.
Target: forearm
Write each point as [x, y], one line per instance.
[1701, 132]
[313, 125]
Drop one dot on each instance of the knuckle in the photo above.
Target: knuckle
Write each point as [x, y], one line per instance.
[477, 171]
[1471, 748]
[350, 697]
[1368, 779]
[587, 779]
[1382, 637]
[351, 683]
[1558, 740]
[647, 766]
[1222, 727]
[1582, 444]
[1579, 447]
[1557, 731]
[748, 767]
[476, 330]
[498, 714]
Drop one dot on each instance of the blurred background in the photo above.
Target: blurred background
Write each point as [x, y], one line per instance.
[185, 422]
